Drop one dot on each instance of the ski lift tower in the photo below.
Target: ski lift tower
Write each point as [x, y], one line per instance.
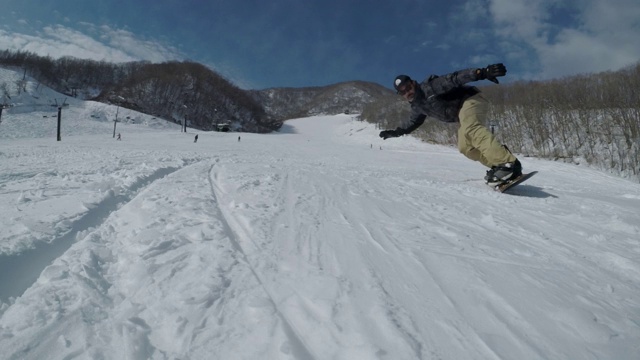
[2, 107]
[64, 104]
[115, 121]
[184, 125]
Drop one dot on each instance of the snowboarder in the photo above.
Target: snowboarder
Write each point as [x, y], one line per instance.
[119, 137]
[195, 140]
[447, 98]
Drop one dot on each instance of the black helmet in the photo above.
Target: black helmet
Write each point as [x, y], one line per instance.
[401, 80]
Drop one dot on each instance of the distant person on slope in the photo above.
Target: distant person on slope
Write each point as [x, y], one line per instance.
[447, 98]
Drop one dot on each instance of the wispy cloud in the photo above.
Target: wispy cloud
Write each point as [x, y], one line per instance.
[595, 36]
[97, 43]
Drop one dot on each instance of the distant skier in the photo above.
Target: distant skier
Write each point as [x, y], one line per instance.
[119, 137]
[238, 138]
[195, 140]
[447, 98]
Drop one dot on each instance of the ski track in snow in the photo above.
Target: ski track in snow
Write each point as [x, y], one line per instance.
[321, 242]
[17, 273]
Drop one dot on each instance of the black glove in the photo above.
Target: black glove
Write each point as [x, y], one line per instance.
[391, 133]
[491, 72]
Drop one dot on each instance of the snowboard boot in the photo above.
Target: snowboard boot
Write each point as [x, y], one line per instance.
[503, 173]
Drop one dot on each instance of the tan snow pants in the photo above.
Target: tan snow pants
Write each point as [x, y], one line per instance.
[475, 141]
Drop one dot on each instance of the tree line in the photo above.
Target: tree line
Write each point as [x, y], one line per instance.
[178, 91]
[592, 118]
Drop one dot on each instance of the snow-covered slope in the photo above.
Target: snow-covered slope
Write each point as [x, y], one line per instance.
[34, 113]
[318, 242]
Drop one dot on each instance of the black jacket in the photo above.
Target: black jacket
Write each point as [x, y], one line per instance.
[440, 97]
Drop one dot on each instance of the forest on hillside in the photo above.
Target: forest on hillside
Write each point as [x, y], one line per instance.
[177, 91]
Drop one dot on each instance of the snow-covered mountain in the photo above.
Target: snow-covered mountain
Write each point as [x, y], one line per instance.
[346, 97]
[320, 241]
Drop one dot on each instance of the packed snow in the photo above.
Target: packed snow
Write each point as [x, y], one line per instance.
[321, 241]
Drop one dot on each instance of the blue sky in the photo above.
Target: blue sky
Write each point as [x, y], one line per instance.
[294, 43]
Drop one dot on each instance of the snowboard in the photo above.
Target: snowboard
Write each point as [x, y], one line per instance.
[510, 184]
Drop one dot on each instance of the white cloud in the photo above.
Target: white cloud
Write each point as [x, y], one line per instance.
[107, 44]
[579, 52]
[601, 35]
[518, 18]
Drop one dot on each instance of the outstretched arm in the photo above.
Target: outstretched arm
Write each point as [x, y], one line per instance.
[416, 121]
[443, 84]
